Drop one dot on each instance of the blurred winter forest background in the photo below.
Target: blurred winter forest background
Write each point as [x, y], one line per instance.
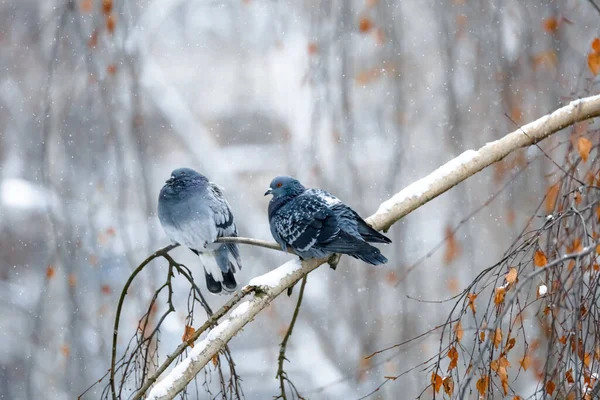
[100, 100]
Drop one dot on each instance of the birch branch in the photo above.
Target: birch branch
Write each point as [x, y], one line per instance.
[267, 287]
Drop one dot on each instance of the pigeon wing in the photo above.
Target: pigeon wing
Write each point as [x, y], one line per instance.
[306, 222]
[223, 218]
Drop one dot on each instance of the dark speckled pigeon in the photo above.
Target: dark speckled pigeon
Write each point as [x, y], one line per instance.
[315, 223]
[193, 213]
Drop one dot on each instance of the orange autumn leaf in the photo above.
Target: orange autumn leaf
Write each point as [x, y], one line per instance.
[569, 376]
[453, 356]
[453, 285]
[187, 335]
[105, 289]
[448, 385]
[50, 271]
[93, 40]
[392, 278]
[525, 362]
[65, 350]
[550, 386]
[111, 70]
[547, 57]
[584, 146]
[436, 381]
[576, 247]
[511, 276]
[111, 21]
[85, 6]
[452, 246]
[517, 398]
[594, 63]
[572, 396]
[215, 358]
[497, 337]
[539, 258]
[472, 297]
[578, 198]
[596, 45]
[458, 330]
[551, 197]
[510, 344]
[551, 25]
[365, 25]
[563, 339]
[312, 48]
[503, 375]
[481, 336]
[587, 359]
[107, 6]
[482, 385]
[499, 293]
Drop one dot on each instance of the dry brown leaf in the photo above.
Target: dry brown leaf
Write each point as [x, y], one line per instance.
[511, 276]
[458, 330]
[453, 356]
[436, 381]
[551, 25]
[539, 258]
[365, 25]
[569, 376]
[550, 386]
[105, 289]
[499, 293]
[497, 337]
[551, 196]
[215, 359]
[448, 385]
[50, 271]
[187, 335]
[525, 362]
[452, 246]
[482, 385]
[107, 6]
[584, 146]
[111, 21]
[594, 63]
[472, 297]
[72, 280]
[503, 375]
[509, 345]
[86, 6]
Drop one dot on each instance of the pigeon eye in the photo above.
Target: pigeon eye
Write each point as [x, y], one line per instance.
[278, 185]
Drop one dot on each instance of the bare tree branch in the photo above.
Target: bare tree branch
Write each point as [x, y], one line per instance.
[267, 287]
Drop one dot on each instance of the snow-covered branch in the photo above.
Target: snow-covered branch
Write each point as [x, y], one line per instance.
[269, 286]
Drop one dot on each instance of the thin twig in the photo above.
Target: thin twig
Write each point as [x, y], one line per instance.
[281, 374]
[210, 322]
[139, 269]
[253, 242]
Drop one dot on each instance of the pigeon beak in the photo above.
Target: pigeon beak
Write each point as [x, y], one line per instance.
[169, 181]
[269, 191]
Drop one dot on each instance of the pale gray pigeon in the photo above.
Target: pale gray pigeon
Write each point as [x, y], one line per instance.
[315, 223]
[194, 213]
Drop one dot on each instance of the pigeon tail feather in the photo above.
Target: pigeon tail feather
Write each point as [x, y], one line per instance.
[371, 235]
